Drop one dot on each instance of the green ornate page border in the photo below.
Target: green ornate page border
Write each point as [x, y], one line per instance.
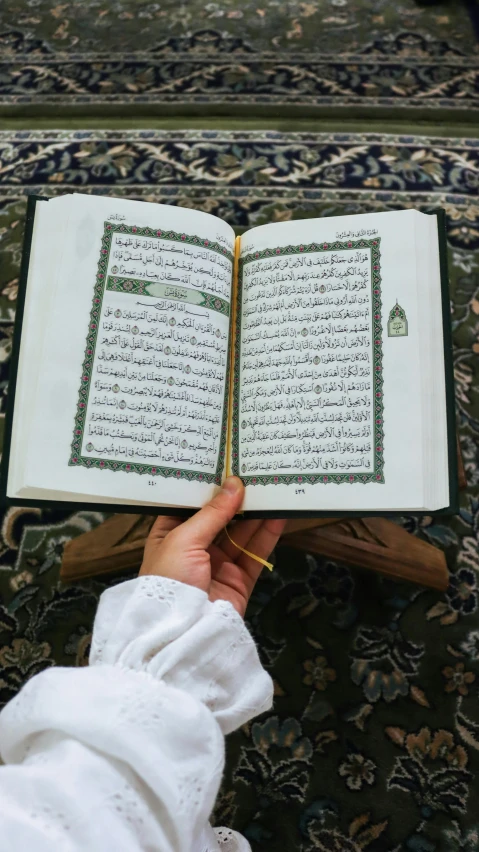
[76, 459]
[137, 287]
[377, 475]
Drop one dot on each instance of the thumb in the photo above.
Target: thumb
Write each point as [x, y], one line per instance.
[209, 521]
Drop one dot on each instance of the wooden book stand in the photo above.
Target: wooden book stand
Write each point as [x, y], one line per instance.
[116, 546]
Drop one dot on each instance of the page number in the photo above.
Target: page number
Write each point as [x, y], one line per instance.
[151, 482]
[300, 491]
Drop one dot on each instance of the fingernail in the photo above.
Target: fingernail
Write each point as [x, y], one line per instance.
[232, 484]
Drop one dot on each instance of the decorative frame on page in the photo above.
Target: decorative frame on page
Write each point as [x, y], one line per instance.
[135, 287]
[376, 474]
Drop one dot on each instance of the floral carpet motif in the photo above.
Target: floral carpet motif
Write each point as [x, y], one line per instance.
[373, 742]
[317, 54]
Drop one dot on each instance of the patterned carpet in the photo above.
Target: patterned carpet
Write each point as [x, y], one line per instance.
[373, 743]
[326, 55]
[374, 739]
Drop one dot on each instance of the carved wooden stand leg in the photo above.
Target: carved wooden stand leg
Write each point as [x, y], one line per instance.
[377, 544]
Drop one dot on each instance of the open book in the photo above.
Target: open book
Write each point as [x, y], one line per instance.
[154, 354]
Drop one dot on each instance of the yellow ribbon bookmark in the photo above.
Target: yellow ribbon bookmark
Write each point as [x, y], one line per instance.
[252, 555]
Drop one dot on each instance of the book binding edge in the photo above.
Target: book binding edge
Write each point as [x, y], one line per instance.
[234, 306]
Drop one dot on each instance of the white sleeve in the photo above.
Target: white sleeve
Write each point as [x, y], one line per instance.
[128, 753]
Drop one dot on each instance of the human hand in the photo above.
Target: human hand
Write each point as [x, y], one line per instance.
[199, 553]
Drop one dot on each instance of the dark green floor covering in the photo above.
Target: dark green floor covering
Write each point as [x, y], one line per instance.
[373, 743]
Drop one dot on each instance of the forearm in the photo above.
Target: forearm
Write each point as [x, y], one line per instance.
[138, 736]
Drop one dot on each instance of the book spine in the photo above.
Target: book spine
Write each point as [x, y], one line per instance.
[234, 307]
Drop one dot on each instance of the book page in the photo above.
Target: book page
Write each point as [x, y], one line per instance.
[327, 386]
[139, 335]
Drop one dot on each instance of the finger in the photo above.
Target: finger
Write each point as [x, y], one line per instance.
[241, 533]
[262, 543]
[154, 545]
[203, 527]
[162, 526]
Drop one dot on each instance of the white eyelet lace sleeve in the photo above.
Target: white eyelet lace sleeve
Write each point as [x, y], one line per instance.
[128, 753]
